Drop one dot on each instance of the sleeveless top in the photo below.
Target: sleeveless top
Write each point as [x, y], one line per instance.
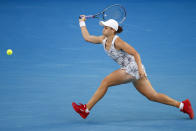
[125, 60]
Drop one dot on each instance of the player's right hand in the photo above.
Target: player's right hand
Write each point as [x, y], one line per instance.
[82, 18]
[142, 74]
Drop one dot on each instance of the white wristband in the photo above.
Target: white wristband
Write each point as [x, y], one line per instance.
[82, 23]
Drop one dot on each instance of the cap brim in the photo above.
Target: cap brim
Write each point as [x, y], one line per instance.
[102, 23]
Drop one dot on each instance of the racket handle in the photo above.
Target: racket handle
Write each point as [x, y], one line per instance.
[88, 16]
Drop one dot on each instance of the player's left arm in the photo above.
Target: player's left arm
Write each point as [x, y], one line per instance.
[120, 44]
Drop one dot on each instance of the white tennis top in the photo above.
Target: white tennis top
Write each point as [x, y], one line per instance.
[125, 60]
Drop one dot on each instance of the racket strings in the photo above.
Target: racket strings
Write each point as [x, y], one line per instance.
[115, 12]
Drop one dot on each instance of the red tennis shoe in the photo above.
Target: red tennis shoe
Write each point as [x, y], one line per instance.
[80, 109]
[187, 108]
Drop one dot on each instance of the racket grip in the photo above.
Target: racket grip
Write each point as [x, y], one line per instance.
[88, 16]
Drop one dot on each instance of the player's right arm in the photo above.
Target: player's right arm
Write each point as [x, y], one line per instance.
[87, 37]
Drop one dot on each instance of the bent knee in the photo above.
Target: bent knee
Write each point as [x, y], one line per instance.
[153, 97]
[105, 83]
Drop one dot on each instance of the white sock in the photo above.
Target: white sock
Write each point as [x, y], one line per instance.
[181, 106]
[87, 110]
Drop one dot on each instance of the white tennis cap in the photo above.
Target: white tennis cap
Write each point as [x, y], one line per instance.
[110, 23]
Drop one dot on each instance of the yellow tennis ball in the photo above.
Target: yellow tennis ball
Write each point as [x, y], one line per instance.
[9, 52]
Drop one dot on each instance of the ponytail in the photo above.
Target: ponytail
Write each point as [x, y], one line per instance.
[120, 29]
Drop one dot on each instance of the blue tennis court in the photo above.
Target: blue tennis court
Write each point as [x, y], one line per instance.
[52, 65]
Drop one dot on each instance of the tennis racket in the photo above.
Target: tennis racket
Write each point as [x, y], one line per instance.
[115, 11]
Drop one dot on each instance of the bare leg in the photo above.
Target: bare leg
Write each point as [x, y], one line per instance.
[144, 87]
[115, 78]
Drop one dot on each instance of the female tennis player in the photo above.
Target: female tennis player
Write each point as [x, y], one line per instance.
[131, 69]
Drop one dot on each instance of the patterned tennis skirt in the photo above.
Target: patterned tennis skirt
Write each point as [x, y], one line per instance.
[132, 69]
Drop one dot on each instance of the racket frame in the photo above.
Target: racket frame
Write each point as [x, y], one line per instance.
[97, 15]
